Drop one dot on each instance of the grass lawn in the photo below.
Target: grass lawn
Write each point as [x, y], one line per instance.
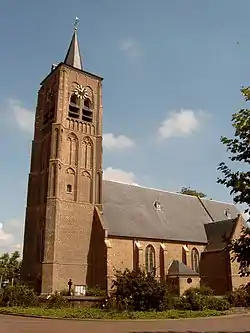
[92, 313]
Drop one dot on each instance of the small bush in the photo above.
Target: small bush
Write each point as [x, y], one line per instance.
[198, 299]
[181, 303]
[215, 303]
[96, 291]
[194, 298]
[18, 295]
[240, 297]
[204, 291]
[56, 301]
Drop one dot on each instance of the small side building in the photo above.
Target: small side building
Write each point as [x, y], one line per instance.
[216, 267]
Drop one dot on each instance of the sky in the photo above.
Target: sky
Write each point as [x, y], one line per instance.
[172, 72]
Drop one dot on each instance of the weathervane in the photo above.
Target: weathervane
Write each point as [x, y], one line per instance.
[76, 23]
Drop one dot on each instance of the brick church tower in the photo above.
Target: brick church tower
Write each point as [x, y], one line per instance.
[65, 179]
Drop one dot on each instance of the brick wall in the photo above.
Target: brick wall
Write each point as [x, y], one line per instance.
[123, 253]
[214, 271]
[234, 266]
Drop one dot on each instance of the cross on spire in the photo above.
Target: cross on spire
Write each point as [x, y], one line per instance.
[73, 56]
[76, 23]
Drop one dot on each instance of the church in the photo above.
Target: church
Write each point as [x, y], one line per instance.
[81, 227]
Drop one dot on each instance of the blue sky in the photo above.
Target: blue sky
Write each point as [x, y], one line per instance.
[172, 75]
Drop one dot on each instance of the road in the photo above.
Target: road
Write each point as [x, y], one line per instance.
[15, 324]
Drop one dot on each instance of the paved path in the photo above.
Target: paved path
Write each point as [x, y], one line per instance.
[240, 323]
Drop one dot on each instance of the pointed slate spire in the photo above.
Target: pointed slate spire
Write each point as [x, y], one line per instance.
[73, 56]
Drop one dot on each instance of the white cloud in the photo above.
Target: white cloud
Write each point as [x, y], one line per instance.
[14, 226]
[24, 117]
[5, 238]
[130, 47]
[181, 123]
[119, 175]
[18, 247]
[11, 235]
[118, 142]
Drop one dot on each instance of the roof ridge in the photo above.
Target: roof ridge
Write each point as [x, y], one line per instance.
[165, 191]
[178, 268]
[219, 201]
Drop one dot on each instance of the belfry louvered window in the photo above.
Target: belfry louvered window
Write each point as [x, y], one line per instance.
[80, 109]
[74, 107]
[150, 259]
[87, 112]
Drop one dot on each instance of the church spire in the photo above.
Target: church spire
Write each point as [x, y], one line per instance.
[73, 56]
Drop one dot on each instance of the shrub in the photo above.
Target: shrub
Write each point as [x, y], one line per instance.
[64, 292]
[136, 290]
[195, 301]
[201, 299]
[215, 303]
[181, 303]
[18, 295]
[204, 291]
[56, 301]
[240, 297]
[193, 298]
[110, 303]
[96, 291]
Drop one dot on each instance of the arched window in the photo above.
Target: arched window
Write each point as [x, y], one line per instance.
[87, 112]
[184, 256]
[150, 259]
[195, 260]
[74, 107]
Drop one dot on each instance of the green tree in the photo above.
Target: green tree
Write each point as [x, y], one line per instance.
[4, 259]
[239, 181]
[190, 191]
[10, 265]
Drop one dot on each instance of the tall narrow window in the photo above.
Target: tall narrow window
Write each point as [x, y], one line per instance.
[150, 259]
[87, 112]
[57, 138]
[195, 260]
[49, 108]
[53, 180]
[72, 149]
[74, 107]
[184, 256]
[87, 153]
